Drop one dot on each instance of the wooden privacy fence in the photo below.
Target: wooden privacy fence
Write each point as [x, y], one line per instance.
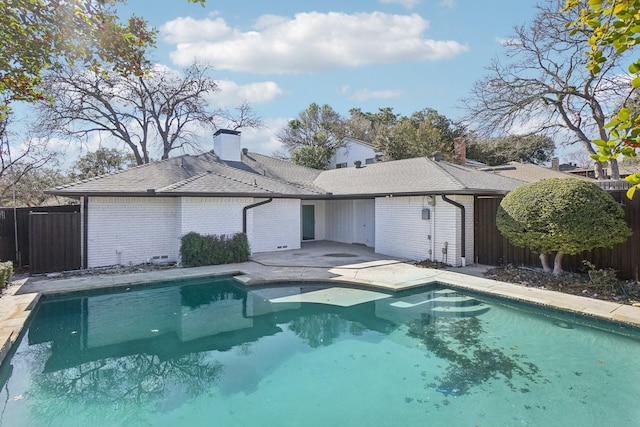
[21, 256]
[492, 248]
[54, 241]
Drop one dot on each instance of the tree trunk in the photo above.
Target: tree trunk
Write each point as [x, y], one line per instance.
[599, 170]
[545, 263]
[557, 264]
[615, 170]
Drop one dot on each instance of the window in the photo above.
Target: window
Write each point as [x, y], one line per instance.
[341, 165]
[370, 161]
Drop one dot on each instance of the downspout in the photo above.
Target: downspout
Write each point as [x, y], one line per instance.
[85, 232]
[246, 208]
[463, 238]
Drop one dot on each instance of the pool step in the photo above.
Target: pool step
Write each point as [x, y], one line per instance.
[439, 303]
[465, 311]
[457, 301]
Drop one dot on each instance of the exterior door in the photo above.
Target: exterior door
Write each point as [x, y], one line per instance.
[308, 222]
[364, 222]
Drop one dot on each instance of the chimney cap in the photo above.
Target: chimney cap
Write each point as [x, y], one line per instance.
[245, 151]
[227, 131]
[357, 164]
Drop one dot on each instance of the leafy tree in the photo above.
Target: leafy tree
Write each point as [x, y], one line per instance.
[535, 149]
[40, 34]
[100, 162]
[163, 107]
[313, 137]
[422, 134]
[316, 157]
[543, 84]
[565, 216]
[367, 126]
[612, 24]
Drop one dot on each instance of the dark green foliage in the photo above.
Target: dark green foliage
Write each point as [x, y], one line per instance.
[312, 156]
[422, 134]
[6, 272]
[561, 215]
[197, 250]
[313, 137]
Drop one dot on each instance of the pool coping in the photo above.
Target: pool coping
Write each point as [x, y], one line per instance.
[389, 274]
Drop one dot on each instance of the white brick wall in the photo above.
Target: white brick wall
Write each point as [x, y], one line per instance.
[131, 230]
[400, 229]
[448, 229]
[212, 215]
[274, 226]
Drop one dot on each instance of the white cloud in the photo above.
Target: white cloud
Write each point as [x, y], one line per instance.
[409, 4]
[186, 29]
[308, 42]
[264, 140]
[231, 93]
[365, 94]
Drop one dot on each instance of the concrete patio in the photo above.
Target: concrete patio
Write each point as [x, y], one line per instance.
[339, 263]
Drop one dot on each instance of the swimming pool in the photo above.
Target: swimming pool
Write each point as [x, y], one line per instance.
[211, 352]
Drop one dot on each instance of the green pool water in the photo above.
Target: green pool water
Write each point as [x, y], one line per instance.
[212, 353]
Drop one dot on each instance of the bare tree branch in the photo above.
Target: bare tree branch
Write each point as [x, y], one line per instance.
[542, 85]
[162, 111]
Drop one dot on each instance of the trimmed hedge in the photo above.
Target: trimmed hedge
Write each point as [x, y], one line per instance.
[197, 250]
[6, 272]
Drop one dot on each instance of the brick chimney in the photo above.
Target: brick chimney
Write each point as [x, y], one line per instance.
[226, 145]
[460, 148]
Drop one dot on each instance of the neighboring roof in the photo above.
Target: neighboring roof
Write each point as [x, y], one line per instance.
[412, 176]
[626, 170]
[262, 176]
[349, 139]
[527, 172]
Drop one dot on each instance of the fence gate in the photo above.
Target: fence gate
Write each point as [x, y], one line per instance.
[54, 241]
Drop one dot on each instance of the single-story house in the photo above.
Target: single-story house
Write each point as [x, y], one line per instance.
[416, 209]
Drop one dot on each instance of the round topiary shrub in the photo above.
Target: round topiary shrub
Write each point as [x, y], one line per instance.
[562, 216]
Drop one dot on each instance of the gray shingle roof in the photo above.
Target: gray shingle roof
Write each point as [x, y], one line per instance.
[526, 172]
[412, 176]
[280, 169]
[202, 175]
[260, 176]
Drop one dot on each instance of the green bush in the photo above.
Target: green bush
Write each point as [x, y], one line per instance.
[197, 250]
[565, 216]
[6, 272]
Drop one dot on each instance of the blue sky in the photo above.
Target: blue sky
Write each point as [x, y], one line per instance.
[281, 55]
